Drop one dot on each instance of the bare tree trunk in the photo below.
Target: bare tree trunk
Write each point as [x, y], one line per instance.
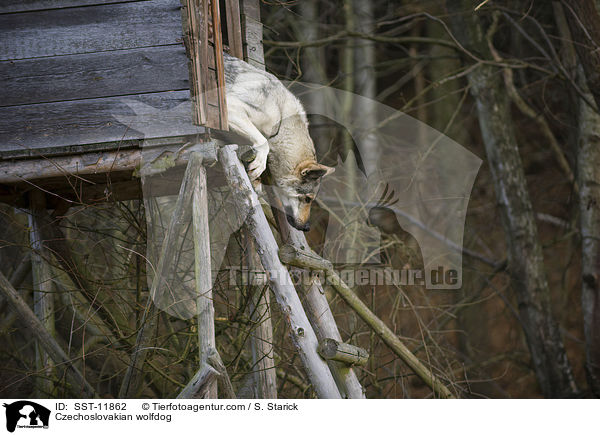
[588, 179]
[588, 163]
[525, 258]
[313, 68]
[347, 62]
[583, 17]
[365, 84]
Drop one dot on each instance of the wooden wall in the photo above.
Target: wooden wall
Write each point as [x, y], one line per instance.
[77, 72]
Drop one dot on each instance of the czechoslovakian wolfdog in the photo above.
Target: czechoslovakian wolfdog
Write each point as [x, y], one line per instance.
[261, 109]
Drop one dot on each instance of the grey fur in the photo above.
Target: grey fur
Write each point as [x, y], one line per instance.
[263, 110]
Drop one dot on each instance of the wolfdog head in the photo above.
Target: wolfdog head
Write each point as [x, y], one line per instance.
[293, 171]
[298, 189]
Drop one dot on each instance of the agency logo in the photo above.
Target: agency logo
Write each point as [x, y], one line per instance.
[26, 415]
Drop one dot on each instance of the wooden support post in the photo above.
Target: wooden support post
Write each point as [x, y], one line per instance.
[44, 338]
[197, 387]
[214, 359]
[301, 331]
[263, 356]
[43, 297]
[204, 298]
[299, 254]
[181, 215]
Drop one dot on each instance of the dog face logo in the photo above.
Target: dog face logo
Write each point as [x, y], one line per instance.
[26, 414]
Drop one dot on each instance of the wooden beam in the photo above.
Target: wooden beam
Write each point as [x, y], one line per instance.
[194, 31]
[331, 349]
[202, 269]
[301, 331]
[11, 6]
[155, 161]
[261, 338]
[218, 41]
[302, 256]
[252, 33]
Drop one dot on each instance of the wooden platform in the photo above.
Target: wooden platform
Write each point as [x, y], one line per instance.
[89, 85]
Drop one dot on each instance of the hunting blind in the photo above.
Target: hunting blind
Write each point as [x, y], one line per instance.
[71, 70]
[86, 86]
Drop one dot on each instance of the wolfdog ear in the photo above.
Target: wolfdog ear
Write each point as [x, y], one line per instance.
[315, 171]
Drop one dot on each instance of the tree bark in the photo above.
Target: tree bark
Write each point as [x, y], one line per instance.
[365, 84]
[525, 259]
[583, 17]
[588, 162]
[588, 178]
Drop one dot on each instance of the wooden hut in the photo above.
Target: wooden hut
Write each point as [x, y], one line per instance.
[72, 68]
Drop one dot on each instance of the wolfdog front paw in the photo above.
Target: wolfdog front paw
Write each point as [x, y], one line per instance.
[258, 165]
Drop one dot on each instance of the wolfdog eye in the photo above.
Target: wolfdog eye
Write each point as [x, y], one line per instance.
[307, 199]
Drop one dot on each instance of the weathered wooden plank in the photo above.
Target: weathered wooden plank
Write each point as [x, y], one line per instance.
[202, 270]
[10, 6]
[234, 28]
[251, 8]
[195, 38]
[220, 66]
[94, 75]
[253, 36]
[97, 120]
[90, 29]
